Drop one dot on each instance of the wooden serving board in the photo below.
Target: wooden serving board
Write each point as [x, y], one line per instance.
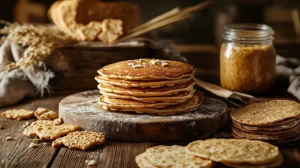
[80, 109]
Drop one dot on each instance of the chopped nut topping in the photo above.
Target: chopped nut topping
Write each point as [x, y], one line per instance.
[44, 143]
[137, 66]
[130, 63]
[164, 64]
[9, 138]
[154, 61]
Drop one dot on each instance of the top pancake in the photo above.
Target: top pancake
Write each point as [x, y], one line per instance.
[147, 69]
[258, 114]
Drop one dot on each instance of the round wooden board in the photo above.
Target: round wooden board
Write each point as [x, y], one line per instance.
[82, 109]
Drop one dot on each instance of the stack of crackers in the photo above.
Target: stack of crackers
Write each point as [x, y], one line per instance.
[240, 153]
[276, 121]
[150, 86]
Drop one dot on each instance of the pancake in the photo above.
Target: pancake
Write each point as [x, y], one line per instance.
[266, 113]
[178, 98]
[144, 92]
[151, 84]
[147, 69]
[190, 105]
[114, 103]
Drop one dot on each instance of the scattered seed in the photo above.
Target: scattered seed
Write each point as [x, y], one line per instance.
[36, 140]
[32, 145]
[9, 138]
[91, 162]
[164, 64]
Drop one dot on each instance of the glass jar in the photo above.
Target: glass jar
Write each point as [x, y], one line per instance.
[247, 58]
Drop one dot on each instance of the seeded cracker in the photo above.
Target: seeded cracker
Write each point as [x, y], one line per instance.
[45, 114]
[259, 114]
[81, 140]
[17, 114]
[47, 130]
[171, 156]
[235, 151]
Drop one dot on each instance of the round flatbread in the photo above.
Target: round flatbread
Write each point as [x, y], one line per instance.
[190, 105]
[178, 98]
[141, 84]
[172, 156]
[258, 114]
[234, 151]
[249, 135]
[149, 92]
[268, 132]
[129, 104]
[277, 162]
[286, 126]
[147, 69]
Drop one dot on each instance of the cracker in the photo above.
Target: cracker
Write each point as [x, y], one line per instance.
[58, 142]
[235, 151]
[45, 114]
[268, 132]
[139, 161]
[58, 121]
[258, 114]
[47, 130]
[255, 136]
[281, 127]
[18, 114]
[172, 156]
[82, 140]
[277, 162]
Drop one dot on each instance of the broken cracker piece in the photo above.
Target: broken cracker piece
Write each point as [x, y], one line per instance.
[58, 142]
[17, 114]
[112, 29]
[58, 121]
[45, 114]
[81, 140]
[47, 130]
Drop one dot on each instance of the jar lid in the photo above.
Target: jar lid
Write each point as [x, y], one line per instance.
[248, 33]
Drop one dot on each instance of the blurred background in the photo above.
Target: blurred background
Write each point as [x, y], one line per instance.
[198, 37]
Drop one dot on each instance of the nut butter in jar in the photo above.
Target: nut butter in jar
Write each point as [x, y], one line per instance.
[247, 58]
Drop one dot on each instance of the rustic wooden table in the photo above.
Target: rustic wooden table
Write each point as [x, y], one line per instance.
[16, 153]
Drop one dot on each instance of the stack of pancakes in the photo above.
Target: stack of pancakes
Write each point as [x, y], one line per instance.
[276, 121]
[150, 86]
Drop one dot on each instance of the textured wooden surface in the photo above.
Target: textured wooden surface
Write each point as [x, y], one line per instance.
[81, 109]
[112, 154]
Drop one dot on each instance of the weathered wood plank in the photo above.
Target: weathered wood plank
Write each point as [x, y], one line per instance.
[16, 153]
[111, 154]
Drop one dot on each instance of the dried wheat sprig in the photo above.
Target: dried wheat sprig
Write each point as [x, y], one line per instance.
[39, 42]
